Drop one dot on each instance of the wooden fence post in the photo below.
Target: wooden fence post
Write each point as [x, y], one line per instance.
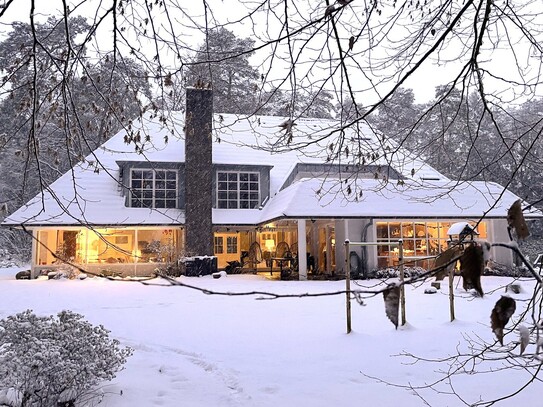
[348, 284]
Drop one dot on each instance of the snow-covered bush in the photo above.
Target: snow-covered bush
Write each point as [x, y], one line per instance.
[51, 361]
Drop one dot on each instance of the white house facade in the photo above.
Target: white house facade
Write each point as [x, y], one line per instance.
[221, 185]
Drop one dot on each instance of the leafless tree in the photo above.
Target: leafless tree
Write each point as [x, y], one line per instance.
[361, 51]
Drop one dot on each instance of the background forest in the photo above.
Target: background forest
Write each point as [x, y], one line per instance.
[106, 92]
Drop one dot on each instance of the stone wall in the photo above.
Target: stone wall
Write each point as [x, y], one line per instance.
[198, 172]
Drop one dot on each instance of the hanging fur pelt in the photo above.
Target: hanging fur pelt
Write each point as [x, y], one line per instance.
[503, 310]
[392, 303]
[444, 263]
[516, 221]
[472, 264]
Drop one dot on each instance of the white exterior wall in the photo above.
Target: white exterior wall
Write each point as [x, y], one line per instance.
[353, 229]
[339, 226]
[497, 233]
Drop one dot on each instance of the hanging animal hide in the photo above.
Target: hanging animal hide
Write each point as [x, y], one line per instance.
[472, 264]
[444, 263]
[516, 221]
[392, 304]
[503, 310]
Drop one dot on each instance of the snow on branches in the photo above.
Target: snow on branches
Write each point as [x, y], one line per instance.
[50, 361]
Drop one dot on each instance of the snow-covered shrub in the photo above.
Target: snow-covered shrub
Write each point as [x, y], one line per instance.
[50, 361]
[65, 271]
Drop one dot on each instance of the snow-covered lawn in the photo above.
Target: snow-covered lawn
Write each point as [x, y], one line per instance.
[192, 349]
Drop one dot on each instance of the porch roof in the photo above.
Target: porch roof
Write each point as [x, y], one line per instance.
[379, 199]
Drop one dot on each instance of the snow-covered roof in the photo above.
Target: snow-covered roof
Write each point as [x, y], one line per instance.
[436, 199]
[90, 194]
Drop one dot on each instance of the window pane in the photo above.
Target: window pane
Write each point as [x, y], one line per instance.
[395, 231]
[382, 250]
[382, 230]
[253, 177]
[221, 176]
[232, 176]
[407, 229]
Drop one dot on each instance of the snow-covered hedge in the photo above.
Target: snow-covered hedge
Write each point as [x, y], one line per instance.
[53, 361]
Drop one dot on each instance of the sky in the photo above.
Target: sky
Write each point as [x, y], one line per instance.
[210, 350]
[498, 58]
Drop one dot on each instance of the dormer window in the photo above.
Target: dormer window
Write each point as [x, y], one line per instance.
[238, 190]
[153, 188]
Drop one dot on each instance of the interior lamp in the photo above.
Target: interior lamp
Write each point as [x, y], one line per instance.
[269, 244]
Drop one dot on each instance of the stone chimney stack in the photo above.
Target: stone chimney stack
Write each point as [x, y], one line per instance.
[198, 172]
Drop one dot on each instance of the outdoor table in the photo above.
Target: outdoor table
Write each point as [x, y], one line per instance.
[280, 261]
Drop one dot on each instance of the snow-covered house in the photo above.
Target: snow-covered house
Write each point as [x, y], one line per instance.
[213, 184]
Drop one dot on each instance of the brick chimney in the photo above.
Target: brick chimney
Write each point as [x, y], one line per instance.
[198, 172]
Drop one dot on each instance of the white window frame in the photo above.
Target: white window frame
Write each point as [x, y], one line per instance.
[231, 198]
[169, 194]
[231, 244]
[218, 244]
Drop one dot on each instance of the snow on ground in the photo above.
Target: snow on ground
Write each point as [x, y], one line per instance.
[192, 349]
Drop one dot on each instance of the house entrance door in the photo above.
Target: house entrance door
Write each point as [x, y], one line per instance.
[226, 248]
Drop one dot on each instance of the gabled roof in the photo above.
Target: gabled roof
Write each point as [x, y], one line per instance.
[90, 194]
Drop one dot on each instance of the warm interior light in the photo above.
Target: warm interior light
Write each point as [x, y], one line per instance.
[269, 244]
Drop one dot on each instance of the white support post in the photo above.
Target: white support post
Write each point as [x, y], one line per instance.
[328, 264]
[302, 250]
[34, 254]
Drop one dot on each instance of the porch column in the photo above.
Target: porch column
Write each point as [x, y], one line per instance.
[34, 252]
[314, 249]
[302, 250]
[328, 250]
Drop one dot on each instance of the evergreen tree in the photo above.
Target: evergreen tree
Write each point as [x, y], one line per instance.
[222, 62]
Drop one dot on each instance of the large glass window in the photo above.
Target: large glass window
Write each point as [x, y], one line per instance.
[421, 241]
[238, 190]
[153, 188]
[108, 246]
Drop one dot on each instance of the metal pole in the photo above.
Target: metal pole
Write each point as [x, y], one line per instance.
[402, 288]
[348, 284]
